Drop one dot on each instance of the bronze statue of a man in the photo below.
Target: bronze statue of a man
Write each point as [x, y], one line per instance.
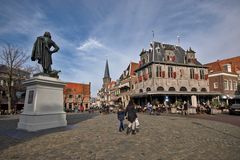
[43, 53]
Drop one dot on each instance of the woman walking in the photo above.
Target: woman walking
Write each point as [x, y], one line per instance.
[131, 117]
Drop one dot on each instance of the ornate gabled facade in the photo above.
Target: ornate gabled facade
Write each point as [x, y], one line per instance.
[126, 84]
[112, 90]
[169, 73]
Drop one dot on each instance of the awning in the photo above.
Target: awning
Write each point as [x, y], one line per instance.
[124, 85]
[176, 93]
[230, 96]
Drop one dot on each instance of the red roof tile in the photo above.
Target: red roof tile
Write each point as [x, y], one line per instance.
[77, 88]
[218, 65]
[134, 66]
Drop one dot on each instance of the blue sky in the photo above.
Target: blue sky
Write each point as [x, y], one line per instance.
[90, 31]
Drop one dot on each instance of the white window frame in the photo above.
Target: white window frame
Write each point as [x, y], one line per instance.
[230, 85]
[225, 83]
[215, 85]
[234, 85]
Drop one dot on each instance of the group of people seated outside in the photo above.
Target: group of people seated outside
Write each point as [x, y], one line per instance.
[181, 107]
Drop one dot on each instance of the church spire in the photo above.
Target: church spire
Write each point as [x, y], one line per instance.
[106, 73]
[106, 78]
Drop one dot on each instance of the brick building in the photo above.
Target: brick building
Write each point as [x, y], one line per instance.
[112, 92]
[224, 77]
[126, 84]
[76, 94]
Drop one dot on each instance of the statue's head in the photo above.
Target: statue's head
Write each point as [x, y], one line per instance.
[47, 34]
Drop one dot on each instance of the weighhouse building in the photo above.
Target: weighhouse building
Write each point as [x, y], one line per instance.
[167, 74]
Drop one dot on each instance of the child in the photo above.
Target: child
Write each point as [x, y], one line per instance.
[121, 115]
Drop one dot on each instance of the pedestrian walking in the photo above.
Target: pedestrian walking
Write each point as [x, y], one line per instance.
[131, 114]
[81, 108]
[120, 116]
[185, 108]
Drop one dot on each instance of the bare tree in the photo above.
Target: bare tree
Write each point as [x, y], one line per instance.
[33, 69]
[14, 59]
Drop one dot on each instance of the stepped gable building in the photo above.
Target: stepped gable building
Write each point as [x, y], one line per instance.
[126, 84]
[224, 77]
[112, 90]
[167, 74]
[76, 94]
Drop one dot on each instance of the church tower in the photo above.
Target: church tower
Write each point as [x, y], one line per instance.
[106, 78]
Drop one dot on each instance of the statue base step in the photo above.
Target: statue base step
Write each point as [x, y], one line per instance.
[43, 121]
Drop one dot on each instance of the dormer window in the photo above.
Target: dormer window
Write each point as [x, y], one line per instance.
[158, 49]
[170, 56]
[227, 68]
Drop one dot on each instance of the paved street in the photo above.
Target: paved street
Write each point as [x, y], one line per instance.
[96, 137]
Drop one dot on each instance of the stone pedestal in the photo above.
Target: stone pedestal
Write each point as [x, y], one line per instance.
[192, 110]
[43, 106]
[194, 100]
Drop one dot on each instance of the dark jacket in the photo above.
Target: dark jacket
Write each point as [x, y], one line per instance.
[121, 115]
[41, 51]
[131, 113]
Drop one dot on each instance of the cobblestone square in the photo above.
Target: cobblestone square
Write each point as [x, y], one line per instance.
[97, 137]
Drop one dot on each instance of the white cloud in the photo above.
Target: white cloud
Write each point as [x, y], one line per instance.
[118, 33]
[91, 43]
[221, 40]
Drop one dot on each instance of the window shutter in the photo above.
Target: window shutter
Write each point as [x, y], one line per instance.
[139, 64]
[174, 75]
[173, 58]
[206, 77]
[140, 78]
[196, 76]
[163, 74]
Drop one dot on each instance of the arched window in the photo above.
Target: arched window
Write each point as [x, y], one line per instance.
[203, 90]
[148, 89]
[140, 90]
[184, 89]
[171, 89]
[160, 89]
[194, 89]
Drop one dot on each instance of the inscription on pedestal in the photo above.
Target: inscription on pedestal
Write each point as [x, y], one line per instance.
[30, 97]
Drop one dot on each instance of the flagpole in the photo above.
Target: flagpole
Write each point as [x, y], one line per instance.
[153, 35]
[153, 46]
